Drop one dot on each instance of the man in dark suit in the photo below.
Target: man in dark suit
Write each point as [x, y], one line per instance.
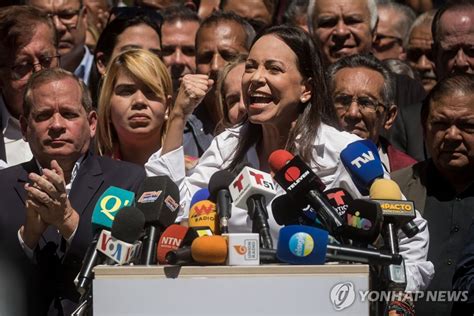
[46, 204]
[442, 187]
[452, 31]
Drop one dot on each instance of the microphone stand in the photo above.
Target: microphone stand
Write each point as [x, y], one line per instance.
[258, 213]
[394, 275]
[85, 305]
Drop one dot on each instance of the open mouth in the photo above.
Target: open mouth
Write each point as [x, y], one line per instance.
[260, 99]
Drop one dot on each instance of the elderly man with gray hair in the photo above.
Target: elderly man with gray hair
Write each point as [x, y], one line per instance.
[343, 28]
[363, 92]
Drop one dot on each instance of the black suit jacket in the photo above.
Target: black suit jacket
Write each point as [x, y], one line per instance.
[3, 155]
[55, 270]
[406, 133]
[463, 279]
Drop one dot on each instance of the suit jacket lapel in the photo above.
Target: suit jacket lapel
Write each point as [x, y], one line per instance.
[86, 183]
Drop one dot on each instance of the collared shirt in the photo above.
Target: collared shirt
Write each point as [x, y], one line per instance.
[83, 71]
[28, 251]
[384, 158]
[327, 147]
[16, 149]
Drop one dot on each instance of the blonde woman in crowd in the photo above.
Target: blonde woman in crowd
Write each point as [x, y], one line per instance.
[133, 106]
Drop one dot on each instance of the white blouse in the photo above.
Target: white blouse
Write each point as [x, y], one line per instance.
[327, 147]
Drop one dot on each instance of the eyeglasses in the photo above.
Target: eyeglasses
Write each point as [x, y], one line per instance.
[343, 102]
[68, 17]
[21, 70]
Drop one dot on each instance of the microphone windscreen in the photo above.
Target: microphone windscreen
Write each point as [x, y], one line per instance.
[362, 161]
[158, 199]
[201, 194]
[209, 250]
[300, 244]
[364, 221]
[385, 189]
[220, 180]
[278, 159]
[112, 200]
[285, 211]
[204, 213]
[294, 176]
[128, 224]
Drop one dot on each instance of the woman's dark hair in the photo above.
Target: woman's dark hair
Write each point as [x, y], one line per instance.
[108, 39]
[318, 109]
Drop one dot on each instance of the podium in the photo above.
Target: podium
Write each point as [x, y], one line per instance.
[331, 289]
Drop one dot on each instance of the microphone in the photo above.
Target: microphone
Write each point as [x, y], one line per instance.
[395, 213]
[203, 250]
[175, 237]
[171, 239]
[121, 244]
[286, 211]
[158, 199]
[299, 181]
[220, 194]
[363, 222]
[199, 195]
[299, 244]
[180, 256]
[107, 206]
[395, 210]
[203, 213]
[103, 215]
[361, 159]
[339, 199]
[209, 250]
[363, 163]
[250, 190]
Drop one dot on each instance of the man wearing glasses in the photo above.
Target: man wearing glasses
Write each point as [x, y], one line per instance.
[27, 45]
[70, 21]
[362, 89]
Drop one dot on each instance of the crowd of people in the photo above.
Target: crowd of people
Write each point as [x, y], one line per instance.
[99, 93]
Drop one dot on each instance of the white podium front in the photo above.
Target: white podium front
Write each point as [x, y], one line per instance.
[224, 290]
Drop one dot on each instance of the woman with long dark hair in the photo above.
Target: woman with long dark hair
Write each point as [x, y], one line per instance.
[288, 106]
[286, 98]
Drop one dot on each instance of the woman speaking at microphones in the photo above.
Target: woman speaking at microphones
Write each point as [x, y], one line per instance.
[288, 107]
